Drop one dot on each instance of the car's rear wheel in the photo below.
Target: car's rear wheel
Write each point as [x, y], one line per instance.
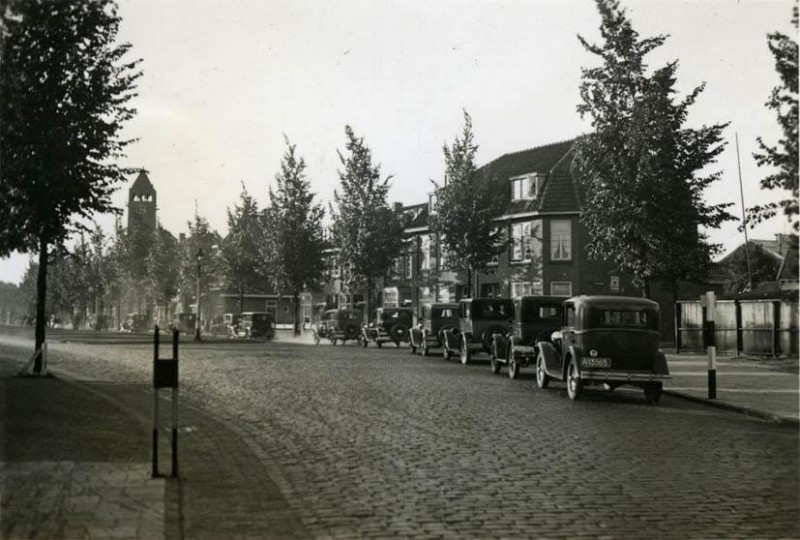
[513, 366]
[445, 353]
[493, 360]
[542, 378]
[652, 392]
[465, 352]
[574, 382]
[379, 344]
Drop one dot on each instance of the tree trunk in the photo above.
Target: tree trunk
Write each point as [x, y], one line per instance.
[41, 295]
[368, 300]
[646, 288]
[469, 283]
[296, 298]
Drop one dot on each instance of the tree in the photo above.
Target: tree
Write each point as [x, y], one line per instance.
[763, 267]
[64, 98]
[240, 263]
[465, 209]
[199, 254]
[783, 157]
[163, 268]
[366, 231]
[296, 232]
[639, 169]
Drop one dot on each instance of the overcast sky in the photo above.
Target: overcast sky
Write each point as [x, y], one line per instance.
[224, 81]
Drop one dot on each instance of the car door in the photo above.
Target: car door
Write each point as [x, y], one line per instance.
[567, 333]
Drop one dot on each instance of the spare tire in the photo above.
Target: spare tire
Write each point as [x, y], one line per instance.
[398, 332]
[350, 331]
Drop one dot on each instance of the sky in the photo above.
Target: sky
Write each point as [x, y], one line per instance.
[227, 81]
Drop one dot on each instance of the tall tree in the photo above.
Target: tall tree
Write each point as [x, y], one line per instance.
[640, 167]
[199, 260]
[163, 268]
[783, 157]
[296, 235]
[366, 231]
[465, 209]
[64, 98]
[240, 263]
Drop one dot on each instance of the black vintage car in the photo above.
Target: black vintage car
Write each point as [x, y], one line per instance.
[184, 323]
[226, 325]
[535, 319]
[605, 340]
[256, 325]
[479, 319]
[136, 323]
[338, 325]
[391, 325]
[434, 319]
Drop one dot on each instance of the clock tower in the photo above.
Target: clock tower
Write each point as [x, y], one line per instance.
[142, 203]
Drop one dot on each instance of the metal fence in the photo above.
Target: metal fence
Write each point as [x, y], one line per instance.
[762, 326]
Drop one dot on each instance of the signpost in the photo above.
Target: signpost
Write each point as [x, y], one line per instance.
[165, 375]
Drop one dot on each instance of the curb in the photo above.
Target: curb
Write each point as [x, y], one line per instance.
[746, 411]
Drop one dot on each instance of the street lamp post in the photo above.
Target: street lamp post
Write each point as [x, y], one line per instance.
[197, 319]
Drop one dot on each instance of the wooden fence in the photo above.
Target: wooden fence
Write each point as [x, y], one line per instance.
[742, 326]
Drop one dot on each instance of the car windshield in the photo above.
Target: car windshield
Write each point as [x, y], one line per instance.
[443, 313]
[633, 318]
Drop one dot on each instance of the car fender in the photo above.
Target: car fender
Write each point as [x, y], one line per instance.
[551, 363]
[500, 344]
[572, 352]
[660, 365]
[452, 339]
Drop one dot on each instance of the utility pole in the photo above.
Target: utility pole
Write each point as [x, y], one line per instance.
[197, 319]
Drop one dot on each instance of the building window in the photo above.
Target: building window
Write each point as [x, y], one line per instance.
[336, 270]
[432, 203]
[526, 288]
[525, 246]
[524, 188]
[561, 288]
[425, 252]
[561, 240]
[391, 297]
[443, 255]
[425, 295]
[409, 265]
[444, 294]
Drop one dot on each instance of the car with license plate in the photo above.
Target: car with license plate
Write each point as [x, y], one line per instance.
[256, 325]
[392, 325]
[434, 320]
[339, 325]
[535, 319]
[605, 340]
[479, 319]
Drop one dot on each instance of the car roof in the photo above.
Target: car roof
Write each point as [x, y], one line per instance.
[542, 299]
[615, 301]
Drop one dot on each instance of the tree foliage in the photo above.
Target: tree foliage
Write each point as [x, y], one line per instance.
[295, 235]
[640, 168]
[202, 241]
[162, 267]
[465, 208]
[366, 231]
[64, 97]
[240, 264]
[782, 157]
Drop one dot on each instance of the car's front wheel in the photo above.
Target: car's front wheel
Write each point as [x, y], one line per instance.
[542, 378]
[574, 382]
[513, 365]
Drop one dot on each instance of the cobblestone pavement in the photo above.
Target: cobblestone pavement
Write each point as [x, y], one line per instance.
[379, 443]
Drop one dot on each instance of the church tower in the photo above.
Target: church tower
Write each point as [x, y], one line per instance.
[142, 203]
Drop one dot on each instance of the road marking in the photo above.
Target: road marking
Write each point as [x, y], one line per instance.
[735, 373]
[734, 390]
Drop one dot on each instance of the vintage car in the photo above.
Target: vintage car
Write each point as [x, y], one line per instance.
[535, 319]
[479, 319]
[434, 319]
[256, 325]
[338, 325]
[135, 323]
[605, 340]
[184, 323]
[226, 325]
[391, 325]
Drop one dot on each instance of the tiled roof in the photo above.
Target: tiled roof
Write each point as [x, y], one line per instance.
[142, 184]
[557, 193]
[789, 268]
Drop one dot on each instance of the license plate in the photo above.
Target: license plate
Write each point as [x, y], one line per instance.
[594, 362]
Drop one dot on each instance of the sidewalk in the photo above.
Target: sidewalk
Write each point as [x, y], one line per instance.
[75, 463]
[765, 388]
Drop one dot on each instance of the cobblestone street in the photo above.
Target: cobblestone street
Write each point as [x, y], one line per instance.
[380, 443]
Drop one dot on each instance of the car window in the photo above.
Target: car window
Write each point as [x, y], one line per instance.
[623, 317]
[569, 315]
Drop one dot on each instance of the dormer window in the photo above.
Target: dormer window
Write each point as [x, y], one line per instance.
[525, 188]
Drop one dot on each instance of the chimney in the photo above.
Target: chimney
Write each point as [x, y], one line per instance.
[398, 207]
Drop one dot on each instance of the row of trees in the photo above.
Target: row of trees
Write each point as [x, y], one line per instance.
[64, 98]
